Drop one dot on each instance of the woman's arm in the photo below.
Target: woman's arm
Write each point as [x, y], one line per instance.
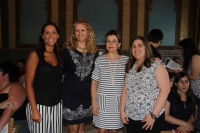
[94, 84]
[17, 94]
[195, 67]
[6, 104]
[187, 125]
[192, 120]
[31, 66]
[163, 82]
[124, 117]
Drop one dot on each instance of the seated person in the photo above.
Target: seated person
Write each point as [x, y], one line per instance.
[180, 108]
[177, 60]
[21, 65]
[12, 94]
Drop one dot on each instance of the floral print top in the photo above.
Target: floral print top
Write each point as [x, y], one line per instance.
[142, 91]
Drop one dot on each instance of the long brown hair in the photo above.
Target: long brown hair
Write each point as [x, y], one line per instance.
[90, 42]
[132, 59]
[189, 93]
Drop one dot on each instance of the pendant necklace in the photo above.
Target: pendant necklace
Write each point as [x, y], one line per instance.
[184, 105]
[112, 72]
[84, 51]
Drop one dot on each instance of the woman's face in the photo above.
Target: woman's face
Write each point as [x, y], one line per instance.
[112, 43]
[81, 33]
[138, 49]
[50, 35]
[182, 85]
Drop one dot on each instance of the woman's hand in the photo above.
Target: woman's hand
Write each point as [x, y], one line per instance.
[35, 116]
[182, 129]
[6, 104]
[124, 117]
[189, 127]
[149, 122]
[95, 109]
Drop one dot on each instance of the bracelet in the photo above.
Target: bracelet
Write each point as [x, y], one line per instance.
[153, 116]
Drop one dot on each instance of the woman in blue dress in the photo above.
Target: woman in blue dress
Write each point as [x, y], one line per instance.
[78, 57]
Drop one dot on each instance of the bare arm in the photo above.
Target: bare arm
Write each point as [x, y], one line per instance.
[93, 95]
[163, 82]
[191, 120]
[31, 66]
[124, 117]
[17, 95]
[195, 68]
[186, 124]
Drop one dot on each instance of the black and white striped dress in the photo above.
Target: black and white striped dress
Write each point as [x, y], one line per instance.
[109, 91]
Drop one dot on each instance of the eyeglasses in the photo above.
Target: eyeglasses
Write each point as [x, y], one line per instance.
[182, 81]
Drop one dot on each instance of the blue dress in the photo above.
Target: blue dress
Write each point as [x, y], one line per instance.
[76, 86]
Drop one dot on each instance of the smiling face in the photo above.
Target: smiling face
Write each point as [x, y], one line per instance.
[183, 85]
[138, 49]
[81, 33]
[112, 43]
[50, 35]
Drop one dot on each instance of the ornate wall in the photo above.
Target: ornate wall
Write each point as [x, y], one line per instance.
[133, 21]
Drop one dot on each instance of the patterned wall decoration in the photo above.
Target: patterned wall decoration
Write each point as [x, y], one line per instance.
[184, 19]
[141, 17]
[54, 11]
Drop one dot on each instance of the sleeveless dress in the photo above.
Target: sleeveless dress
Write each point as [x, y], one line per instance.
[109, 91]
[76, 86]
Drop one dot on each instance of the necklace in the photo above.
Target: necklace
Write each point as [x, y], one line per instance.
[84, 51]
[184, 105]
[49, 52]
[112, 72]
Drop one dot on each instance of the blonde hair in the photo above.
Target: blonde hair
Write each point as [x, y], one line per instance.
[90, 42]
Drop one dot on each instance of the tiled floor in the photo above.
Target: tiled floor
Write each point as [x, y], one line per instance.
[89, 129]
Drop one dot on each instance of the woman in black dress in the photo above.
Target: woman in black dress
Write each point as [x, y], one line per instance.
[78, 58]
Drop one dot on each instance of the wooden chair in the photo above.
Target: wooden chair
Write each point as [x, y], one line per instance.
[10, 125]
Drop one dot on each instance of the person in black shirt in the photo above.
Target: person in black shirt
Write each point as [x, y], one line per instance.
[154, 39]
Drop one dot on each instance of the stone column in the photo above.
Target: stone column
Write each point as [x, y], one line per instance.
[126, 25]
[54, 11]
[11, 24]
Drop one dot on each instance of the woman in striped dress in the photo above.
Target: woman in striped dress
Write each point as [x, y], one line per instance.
[107, 84]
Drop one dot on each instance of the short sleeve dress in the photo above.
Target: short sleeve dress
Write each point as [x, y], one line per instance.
[76, 86]
[109, 91]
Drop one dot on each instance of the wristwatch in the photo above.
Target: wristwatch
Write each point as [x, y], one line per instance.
[153, 116]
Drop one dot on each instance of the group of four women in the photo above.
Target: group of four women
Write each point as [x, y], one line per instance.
[111, 89]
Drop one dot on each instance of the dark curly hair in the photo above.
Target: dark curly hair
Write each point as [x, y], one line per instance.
[10, 68]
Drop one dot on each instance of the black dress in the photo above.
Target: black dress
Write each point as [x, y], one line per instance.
[76, 86]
